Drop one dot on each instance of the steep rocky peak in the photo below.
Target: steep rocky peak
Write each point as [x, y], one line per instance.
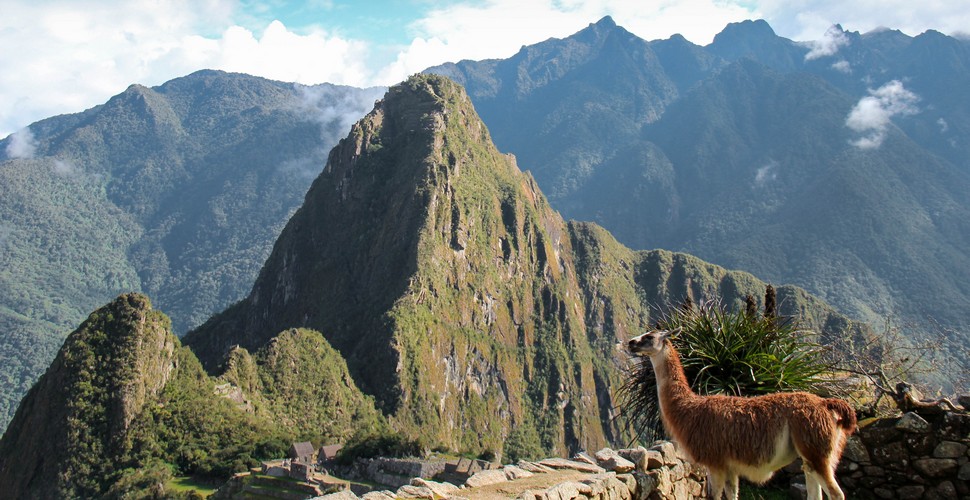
[745, 32]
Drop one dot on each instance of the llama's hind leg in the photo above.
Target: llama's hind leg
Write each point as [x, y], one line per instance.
[813, 484]
[828, 484]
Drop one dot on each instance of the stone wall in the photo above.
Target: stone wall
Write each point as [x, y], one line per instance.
[909, 457]
[631, 474]
[399, 472]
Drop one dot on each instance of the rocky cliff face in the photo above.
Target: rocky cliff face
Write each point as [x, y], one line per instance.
[459, 298]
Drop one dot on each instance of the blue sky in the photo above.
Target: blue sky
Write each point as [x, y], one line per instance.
[64, 56]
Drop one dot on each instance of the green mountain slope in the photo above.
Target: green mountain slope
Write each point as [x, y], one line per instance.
[744, 157]
[177, 191]
[124, 403]
[458, 297]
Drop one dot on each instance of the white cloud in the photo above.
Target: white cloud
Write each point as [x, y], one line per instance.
[76, 54]
[499, 28]
[334, 107]
[842, 66]
[64, 168]
[22, 144]
[766, 173]
[944, 126]
[872, 114]
[828, 45]
[805, 19]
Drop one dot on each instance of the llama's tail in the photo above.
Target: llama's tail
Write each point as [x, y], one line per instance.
[844, 412]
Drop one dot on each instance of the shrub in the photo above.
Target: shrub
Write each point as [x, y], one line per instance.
[734, 353]
[379, 444]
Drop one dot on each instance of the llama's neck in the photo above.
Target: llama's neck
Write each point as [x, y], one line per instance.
[672, 386]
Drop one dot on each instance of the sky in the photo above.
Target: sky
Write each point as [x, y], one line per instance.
[65, 56]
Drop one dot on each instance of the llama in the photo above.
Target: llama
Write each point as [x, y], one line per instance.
[748, 436]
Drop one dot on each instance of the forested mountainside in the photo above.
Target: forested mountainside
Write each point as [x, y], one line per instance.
[178, 191]
[839, 165]
[124, 404]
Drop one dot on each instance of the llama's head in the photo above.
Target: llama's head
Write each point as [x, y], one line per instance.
[650, 343]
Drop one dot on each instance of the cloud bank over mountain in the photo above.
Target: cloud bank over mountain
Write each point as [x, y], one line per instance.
[73, 55]
[872, 114]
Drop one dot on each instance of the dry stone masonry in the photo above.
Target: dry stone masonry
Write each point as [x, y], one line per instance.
[913, 456]
[630, 474]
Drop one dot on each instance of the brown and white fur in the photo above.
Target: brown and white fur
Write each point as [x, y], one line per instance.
[748, 436]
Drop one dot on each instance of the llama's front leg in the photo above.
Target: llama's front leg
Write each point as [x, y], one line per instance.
[715, 483]
[732, 486]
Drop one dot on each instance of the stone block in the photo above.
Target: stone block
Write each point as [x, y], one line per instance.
[562, 463]
[920, 444]
[584, 457]
[638, 456]
[667, 451]
[378, 495]
[879, 433]
[654, 459]
[947, 491]
[616, 489]
[410, 491]
[512, 472]
[340, 495]
[534, 467]
[912, 492]
[949, 449]
[936, 467]
[443, 490]
[485, 478]
[568, 490]
[611, 460]
[884, 493]
[912, 422]
[964, 473]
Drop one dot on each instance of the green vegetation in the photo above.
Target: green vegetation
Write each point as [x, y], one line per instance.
[189, 484]
[125, 408]
[370, 444]
[302, 384]
[728, 352]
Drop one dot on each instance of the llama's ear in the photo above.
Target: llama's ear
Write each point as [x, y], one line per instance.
[672, 333]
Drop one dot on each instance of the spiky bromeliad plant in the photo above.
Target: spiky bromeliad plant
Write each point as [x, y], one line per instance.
[736, 353]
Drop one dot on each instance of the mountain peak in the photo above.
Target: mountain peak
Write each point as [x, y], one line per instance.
[605, 22]
[745, 31]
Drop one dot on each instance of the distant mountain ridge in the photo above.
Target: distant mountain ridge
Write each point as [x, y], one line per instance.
[177, 191]
[741, 152]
